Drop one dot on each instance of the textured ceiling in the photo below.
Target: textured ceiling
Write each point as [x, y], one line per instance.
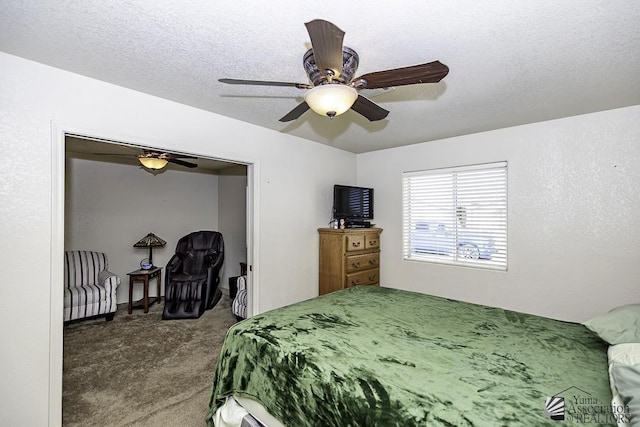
[511, 62]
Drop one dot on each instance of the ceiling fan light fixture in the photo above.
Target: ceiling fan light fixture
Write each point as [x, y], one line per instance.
[331, 99]
[154, 163]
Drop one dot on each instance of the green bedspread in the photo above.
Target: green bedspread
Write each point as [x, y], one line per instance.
[370, 356]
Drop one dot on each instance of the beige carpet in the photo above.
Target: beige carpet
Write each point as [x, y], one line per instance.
[139, 370]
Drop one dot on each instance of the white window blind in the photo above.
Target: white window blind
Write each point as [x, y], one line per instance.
[456, 216]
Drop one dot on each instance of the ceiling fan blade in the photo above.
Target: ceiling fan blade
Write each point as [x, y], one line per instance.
[177, 156]
[431, 72]
[369, 109]
[115, 154]
[296, 112]
[182, 163]
[326, 40]
[264, 83]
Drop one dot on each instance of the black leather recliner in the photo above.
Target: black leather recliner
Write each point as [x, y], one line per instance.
[193, 274]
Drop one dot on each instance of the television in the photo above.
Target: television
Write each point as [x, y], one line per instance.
[352, 203]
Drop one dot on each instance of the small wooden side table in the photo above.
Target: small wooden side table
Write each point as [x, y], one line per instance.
[144, 276]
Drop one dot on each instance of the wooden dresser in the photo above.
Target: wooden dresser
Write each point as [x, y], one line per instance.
[348, 258]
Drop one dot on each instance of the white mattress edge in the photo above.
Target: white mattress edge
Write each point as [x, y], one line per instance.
[258, 411]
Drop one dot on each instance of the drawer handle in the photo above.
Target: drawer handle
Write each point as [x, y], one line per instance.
[356, 264]
[355, 282]
[372, 277]
[373, 242]
[355, 244]
[372, 262]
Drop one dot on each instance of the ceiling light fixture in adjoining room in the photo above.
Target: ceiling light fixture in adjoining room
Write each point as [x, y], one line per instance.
[154, 163]
[331, 99]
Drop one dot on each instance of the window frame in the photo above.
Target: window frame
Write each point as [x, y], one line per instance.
[457, 216]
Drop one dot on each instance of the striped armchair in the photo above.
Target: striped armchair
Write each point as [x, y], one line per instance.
[89, 288]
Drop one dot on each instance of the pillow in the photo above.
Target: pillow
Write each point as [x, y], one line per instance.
[621, 357]
[620, 325]
[627, 383]
[624, 354]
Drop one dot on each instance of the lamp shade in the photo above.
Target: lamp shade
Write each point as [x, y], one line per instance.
[152, 162]
[150, 240]
[331, 99]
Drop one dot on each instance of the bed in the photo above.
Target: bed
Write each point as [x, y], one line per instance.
[371, 355]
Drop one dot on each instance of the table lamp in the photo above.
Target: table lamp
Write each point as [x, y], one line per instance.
[150, 241]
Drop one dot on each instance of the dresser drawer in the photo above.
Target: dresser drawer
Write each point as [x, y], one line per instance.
[362, 262]
[355, 242]
[367, 277]
[371, 241]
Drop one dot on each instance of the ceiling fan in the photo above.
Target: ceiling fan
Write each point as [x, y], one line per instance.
[331, 66]
[157, 159]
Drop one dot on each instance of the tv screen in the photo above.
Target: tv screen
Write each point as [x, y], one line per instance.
[352, 202]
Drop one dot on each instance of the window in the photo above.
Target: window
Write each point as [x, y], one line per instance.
[456, 216]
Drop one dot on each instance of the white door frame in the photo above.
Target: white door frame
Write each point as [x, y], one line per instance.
[59, 132]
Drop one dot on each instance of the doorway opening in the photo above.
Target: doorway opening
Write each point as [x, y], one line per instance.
[111, 198]
[238, 168]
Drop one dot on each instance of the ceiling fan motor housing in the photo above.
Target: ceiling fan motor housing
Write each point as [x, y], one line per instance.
[350, 61]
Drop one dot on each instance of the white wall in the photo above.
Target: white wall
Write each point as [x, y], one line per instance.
[33, 97]
[573, 203]
[111, 206]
